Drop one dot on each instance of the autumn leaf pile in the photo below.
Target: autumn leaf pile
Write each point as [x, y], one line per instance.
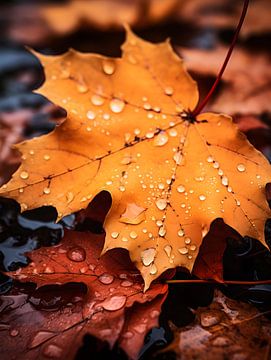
[129, 131]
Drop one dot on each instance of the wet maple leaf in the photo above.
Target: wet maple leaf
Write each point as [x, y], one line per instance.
[224, 327]
[128, 131]
[115, 308]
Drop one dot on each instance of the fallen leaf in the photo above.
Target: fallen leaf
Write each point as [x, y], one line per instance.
[108, 14]
[115, 309]
[129, 132]
[209, 262]
[225, 329]
[224, 14]
[247, 80]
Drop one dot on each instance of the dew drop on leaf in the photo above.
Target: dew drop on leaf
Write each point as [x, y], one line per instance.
[241, 167]
[91, 115]
[202, 197]
[24, 175]
[161, 139]
[169, 90]
[153, 269]
[116, 105]
[106, 279]
[161, 204]
[168, 250]
[147, 256]
[46, 191]
[181, 189]
[108, 67]
[114, 234]
[126, 283]
[183, 250]
[76, 254]
[114, 303]
[97, 100]
[52, 351]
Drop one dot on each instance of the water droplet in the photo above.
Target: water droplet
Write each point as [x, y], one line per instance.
[52, 351]
[178, 157]
[161, 186]
[140, 328]
[169, 90]
[114, 234]
[183, 250]
[149, 135]
[147, 256]
[161, 139]
[106, 116]
[83, 270]
[225, 181]
[97, 100]
[116, 105]
[161, 204]
[124, 239]
[108, 67]
[153, 269]
[173, 132]
[187, 240]
[13, 332]
[180, 233]
[168, 250]
[193, 247]
[241, 167]
[147, 106]
[24, 175]
[126, 283]
[122, 188]
[162, 231]
[238, 202]
[49, 270]
[46, 191]
[76, 254]
[133, 235]
[181, 189]
[46, 157]
[21, 190]
[220, 172]
[106, 278]
[202, 197]
[128, 335]
[154, 314]
[81, 87]
[31, 152]
[114, 303]
[91, 115]
[210, 159]
[216, 165]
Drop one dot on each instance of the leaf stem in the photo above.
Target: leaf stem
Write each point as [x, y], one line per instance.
[224, 282]
[200, 106]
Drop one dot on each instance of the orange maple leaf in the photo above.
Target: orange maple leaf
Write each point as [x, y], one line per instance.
[128, 131]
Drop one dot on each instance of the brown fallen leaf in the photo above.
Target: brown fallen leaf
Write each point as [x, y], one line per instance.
[224, 14]
[225, 329]
[246, 81]
[209, 262]
[115, 309]
[129, 132]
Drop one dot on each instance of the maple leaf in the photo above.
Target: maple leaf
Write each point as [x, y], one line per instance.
[246, 80]
[107, 14]
[115, 309]
[129, 132]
